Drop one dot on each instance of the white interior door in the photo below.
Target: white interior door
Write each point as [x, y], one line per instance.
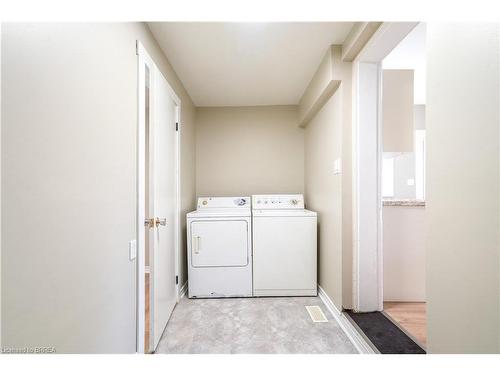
[163, 206]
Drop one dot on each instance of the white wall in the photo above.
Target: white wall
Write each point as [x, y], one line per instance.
[323, 144]
[69, 123]
[248, 150]
[463, 160]
[404, 253]
[329, 137]
[345, 74]
[324, 82]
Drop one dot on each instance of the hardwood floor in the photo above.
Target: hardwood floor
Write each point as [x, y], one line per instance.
[147, 324]
[411, 316]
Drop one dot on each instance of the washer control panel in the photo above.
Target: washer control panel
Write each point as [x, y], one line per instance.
[223, 202]
[277, 201]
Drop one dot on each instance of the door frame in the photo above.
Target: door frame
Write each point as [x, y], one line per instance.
[144, 59]
[367, 164]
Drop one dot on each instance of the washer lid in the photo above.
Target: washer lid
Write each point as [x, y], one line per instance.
[220, 212]
[281, 213]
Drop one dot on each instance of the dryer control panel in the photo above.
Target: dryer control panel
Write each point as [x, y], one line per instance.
[278, 202]
[223, 202]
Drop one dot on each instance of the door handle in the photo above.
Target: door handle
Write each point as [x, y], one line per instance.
[150, 223]
[162, 221]
[196, 244]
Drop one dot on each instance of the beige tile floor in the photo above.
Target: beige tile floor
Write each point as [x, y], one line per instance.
[251, 325]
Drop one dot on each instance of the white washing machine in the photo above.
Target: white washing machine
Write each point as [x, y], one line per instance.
[284, 246]
[219, 245]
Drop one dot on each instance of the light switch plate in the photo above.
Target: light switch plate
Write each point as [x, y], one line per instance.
[132, 249]
[410, 182]
[337, 166]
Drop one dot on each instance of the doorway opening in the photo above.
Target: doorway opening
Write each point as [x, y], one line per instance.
[403, 184]
[158, 202]
[389, 257]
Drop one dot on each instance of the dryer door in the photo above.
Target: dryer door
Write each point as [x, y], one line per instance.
[222, 243]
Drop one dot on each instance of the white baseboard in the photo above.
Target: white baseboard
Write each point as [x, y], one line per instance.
[183, 290]
[356, 338]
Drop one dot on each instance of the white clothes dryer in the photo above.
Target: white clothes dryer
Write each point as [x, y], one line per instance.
[219, 245]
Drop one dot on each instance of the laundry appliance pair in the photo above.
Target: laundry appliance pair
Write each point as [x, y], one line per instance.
[265, 245]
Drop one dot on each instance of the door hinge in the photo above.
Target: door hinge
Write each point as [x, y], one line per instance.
[176, 126]
[176, 280]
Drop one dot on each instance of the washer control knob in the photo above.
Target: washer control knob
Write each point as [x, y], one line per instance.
[294, 201]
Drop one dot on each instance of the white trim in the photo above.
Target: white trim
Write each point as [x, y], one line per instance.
[356, 338]
[178, 208]
[367, 245]
[183, 290]
[367, 195]
[380, 225]
[144, 59]
[357, 39]
[0, 190]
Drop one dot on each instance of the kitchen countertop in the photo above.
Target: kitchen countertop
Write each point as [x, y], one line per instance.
[403, 202]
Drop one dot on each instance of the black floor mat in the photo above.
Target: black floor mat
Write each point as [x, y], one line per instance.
[384, 334]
